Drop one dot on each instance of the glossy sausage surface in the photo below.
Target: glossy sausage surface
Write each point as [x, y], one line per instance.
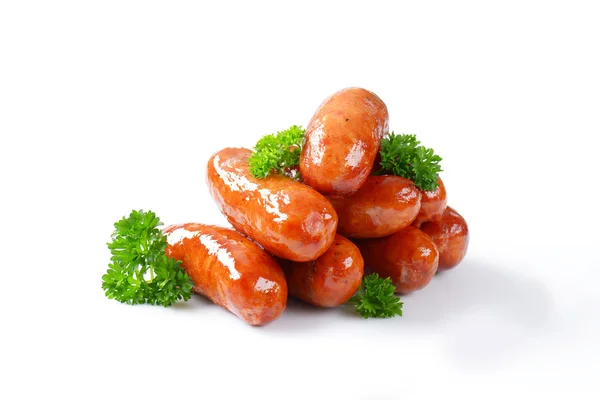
[383, 205]
[451, 236]
[287, 218]
[330, 280]
[433, 204]
[341, 141]
[408, 257]
[230, 270]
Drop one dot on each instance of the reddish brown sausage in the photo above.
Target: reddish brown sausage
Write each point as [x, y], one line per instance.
[289, 219]
[230, 269]
[451, 236]
[433, 204]
[341, 141]
[382, 206]
[331, 279]
[408, 257]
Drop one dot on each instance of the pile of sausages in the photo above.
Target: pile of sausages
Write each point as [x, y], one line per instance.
[316, 238]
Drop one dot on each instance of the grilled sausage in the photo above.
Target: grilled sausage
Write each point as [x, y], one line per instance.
[329, 280]
[433, 204]
[230, 270]
[382, 206]
[451, 236]
[341, 141]
[408, 257]
[287, 218]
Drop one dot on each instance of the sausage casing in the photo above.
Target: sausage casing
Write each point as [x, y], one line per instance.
[433, 204]
[409, 257]
[341, 141]
[287, 218]
[382, 206]
[230, 270]
[451, 236]
[330, 280]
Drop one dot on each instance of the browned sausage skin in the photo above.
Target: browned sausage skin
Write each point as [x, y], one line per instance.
[289, 219]
[450, 235]
[230, 270]
[330, 280]
[433, 204]
[408, 257]
[383, 205]
[341, 141]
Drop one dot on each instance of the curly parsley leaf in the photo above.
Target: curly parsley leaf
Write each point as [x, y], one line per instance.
[403, 155]
[140, 271]
[375, 298]
[277, 153]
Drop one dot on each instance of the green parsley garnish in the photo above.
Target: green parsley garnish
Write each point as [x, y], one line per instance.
[402, 155]
[275, 152]
[140, 271]
[375, 298]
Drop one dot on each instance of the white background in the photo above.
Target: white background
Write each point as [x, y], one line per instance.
[110, 106]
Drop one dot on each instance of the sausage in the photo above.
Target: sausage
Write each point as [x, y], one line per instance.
[230, 269]
[289, 219]
[433, 204]
[341, 141]
[451, 236]
[382, 206]
[330, 280]
[376, 163]
[408, 257]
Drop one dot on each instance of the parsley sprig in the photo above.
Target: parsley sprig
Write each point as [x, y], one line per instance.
[140, 271]
[275, 152]
[375, 298]
[403, 155]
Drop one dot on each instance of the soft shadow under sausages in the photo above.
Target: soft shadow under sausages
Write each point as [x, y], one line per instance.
[486, 313]
[478, 285]
[300, 316]
[480, 313]
[297, 317]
